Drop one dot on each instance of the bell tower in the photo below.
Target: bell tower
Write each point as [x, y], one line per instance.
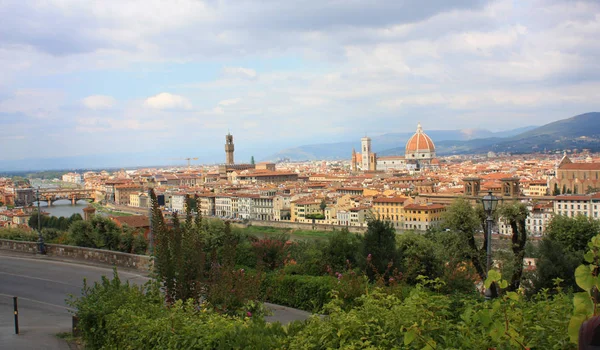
[472, 186]
[229, 148]
[365, 144]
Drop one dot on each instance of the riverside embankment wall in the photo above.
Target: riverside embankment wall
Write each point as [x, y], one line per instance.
[133, 261]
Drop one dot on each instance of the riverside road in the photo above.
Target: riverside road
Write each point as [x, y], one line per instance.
[43, 285]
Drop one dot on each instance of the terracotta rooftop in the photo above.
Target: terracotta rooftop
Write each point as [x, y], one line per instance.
[580, 166]
[390, 200]
[424, 206]
[135, 221]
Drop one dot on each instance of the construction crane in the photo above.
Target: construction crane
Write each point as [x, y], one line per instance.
[189, 160]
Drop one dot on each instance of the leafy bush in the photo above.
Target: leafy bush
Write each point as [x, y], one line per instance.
[18, 234]
[114, 315]
[271, 252]
[104, 299]
[302, 292]
[342, 248]
[379, 248]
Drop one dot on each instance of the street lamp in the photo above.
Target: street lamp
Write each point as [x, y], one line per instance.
[490, 202]
[40, 242]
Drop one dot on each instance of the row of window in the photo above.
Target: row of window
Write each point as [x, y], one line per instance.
[578, 206]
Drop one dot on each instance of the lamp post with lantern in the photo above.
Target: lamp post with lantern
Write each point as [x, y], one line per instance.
[490, 202]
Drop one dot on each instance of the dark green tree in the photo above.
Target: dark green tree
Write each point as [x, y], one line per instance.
[342, 247]
[516, 214]
[461, 218]
[572, 233]
[556, 190]
[179, 252]
[379, 248]
[82, 234]
[419, 257]
[75, 217]
[323, 206]
[252, 160]
[555, 261]
[164, 264]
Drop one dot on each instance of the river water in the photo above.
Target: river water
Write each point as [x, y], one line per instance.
[63, 208]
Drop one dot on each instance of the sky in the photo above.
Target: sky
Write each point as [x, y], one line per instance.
[81, 78]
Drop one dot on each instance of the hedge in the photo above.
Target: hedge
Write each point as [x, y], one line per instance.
[303, 292]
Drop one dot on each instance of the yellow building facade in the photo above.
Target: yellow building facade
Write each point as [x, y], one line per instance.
[391, 209]
[423, 216]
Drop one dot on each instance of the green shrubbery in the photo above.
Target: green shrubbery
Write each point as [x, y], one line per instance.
[116, 315]
[380, 290]
[99, 232]
[18, 234]
[309, 293]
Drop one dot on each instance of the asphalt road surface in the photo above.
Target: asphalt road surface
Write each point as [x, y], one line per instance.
[42, 286]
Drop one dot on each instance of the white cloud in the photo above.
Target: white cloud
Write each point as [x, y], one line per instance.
[98, 102]
[230, 102]
[165, 100]
[240, 72]
[37, 103]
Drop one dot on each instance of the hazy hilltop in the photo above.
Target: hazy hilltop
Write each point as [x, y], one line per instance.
[581, 131]
[386, 144]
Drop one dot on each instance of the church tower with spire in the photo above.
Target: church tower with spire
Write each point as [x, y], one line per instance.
[353, 161]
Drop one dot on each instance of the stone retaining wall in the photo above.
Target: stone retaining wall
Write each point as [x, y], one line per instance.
[140, 262]
[303, 226]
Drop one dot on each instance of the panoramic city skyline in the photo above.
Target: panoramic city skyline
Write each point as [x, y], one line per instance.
[99, 78]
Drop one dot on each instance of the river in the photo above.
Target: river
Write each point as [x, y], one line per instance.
[63, 208]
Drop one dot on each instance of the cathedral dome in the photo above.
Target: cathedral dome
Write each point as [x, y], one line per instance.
[420, 143]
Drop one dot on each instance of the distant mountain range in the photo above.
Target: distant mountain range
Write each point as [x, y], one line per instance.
[387, 144]
[578, 132]
[581, 132]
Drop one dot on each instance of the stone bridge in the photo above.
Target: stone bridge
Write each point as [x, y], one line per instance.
[52, 195]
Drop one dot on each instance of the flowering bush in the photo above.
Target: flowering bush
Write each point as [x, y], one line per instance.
[271, 253]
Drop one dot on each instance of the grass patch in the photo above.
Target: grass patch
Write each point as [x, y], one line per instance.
[100, 208]
[265, 231]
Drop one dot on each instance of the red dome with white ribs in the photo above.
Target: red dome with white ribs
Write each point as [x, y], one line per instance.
[420, 142]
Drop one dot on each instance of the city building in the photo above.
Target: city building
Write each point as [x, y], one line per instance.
[229, 149]
[420, 150]
[72, 178]
[575, 178]
[388, 163]
[302, 207]
[423, 216]
[391, 209]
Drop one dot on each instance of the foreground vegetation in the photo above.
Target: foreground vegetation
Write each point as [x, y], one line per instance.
[99, 232]
[378, 290]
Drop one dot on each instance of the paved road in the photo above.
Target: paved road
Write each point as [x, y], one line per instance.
[42, 285]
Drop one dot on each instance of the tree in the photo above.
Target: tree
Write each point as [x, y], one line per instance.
[379, 247]
[572, 233]
[555, 261]
[463, 219]
[556, 190]
[516, 215]
[418, 257]
[179, 252]
[591, 189]
[100, 232]
[252, 160]
[323, 206]
[342, 247]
